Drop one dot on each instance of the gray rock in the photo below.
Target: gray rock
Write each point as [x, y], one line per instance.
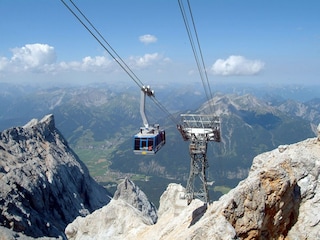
[280, 199]
[128, 210]
[44, 185]
[132, 194]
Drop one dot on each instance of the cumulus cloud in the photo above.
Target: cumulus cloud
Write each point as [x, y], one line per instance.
[91, 64]
[32, 56]
[237, 65]
[42, 58]
[144, 61]
[147, 39]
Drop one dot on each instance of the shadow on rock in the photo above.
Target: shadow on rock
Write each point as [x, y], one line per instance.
[198, 213]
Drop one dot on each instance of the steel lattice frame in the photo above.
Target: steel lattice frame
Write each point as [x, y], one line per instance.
[199, 129]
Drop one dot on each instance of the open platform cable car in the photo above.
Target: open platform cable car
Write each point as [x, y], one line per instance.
[150, 138]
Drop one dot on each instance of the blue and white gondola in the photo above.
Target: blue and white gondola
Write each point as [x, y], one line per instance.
[149, 141]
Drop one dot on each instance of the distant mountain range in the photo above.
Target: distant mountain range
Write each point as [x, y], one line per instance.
[99, 121]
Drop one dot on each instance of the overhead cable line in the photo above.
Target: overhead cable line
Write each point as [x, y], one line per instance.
[196, 52]
[164, 109]
[111, 51]
[102, 41]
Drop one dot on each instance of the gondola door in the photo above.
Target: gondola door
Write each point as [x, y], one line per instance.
[143, 143]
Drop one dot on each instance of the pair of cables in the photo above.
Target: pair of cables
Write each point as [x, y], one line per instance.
[197, 52]
[81, 17]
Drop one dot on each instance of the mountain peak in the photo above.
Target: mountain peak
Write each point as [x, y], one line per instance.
[129, 205]
[226, 104]
[47, 120]
[132, 194]
[43, 183]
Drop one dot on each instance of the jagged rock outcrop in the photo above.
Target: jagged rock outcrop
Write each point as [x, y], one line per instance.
[280, 199]
[129, 204]
[44, 186]
[132, 194]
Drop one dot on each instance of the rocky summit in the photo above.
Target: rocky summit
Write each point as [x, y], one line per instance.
[44, 186]
[129, 204]
[280, 199]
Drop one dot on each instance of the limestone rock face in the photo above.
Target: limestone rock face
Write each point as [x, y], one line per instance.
[132, 194]
[44, 185]
[128, 210]
[280, 199]
[268, 205]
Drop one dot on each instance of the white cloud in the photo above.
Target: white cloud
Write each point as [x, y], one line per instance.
[42, 58]
[144, 61]
[33, 56]
[96, 63]
[237, 65]
[147, 39]
[3, 63]
[91, 64]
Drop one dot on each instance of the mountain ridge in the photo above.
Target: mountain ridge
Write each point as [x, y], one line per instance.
[43, 183]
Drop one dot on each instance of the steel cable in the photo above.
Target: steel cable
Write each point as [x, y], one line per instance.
[113, 53]
[202, 70]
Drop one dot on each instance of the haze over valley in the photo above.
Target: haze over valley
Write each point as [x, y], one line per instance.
[100, 120]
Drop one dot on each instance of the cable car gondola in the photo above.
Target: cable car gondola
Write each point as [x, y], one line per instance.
[150, 139]
[148, 142]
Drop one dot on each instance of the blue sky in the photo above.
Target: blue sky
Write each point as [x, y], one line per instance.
[241, 41]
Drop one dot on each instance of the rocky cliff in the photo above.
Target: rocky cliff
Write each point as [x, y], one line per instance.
[280, 199]
[44, 186]
[128, 210]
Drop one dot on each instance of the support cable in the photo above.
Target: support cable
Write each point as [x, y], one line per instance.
[202, 69]
[198, 42]
[102, 41]
[111, 51]
[133, 76]
[173, 119]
